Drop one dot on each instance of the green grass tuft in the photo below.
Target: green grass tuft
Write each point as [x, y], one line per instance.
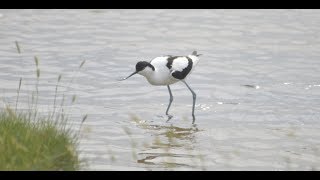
[41, 145]
[31, 141]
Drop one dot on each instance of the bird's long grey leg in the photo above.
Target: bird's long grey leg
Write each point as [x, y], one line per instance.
[194, 96]
[170, 101]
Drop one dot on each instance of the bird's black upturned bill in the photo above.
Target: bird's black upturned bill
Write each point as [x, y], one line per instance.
[128, 76]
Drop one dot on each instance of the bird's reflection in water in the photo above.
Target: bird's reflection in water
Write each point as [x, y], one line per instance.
[172, 146]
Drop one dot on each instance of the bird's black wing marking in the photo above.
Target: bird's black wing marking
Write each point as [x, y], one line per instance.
[170, 61]
[182, 74]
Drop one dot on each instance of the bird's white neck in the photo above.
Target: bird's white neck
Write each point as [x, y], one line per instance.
[153, 76]
[146, 72]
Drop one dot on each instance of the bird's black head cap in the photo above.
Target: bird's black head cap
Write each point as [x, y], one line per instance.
[143, 64]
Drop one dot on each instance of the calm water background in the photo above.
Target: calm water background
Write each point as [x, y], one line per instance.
[258, 85]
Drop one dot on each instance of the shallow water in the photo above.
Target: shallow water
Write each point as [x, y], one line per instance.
[257, 85]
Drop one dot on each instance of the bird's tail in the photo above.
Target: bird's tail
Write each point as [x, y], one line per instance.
[195, 54]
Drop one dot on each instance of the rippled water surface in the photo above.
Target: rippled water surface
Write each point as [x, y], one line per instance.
[257, 85]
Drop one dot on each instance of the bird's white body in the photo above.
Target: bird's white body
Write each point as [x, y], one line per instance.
[162, 74]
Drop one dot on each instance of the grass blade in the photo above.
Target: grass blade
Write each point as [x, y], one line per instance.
[36, 60]
[82, 64]
[18, 47]
[18, 92]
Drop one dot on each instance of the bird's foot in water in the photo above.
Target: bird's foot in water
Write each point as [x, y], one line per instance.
[193, 118]
[169, 117]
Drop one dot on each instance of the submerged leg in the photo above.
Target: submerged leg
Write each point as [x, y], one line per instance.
[170, 101]
[194, 96]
